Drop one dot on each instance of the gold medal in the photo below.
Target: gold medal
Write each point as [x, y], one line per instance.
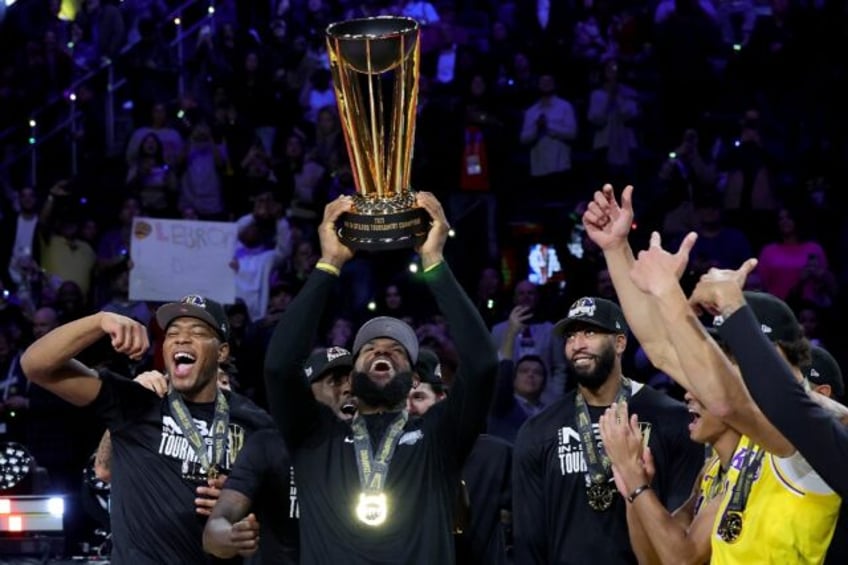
[373, 508]
[600, 496]
[730, 527]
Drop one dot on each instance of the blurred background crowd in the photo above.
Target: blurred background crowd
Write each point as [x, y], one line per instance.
[728, 116]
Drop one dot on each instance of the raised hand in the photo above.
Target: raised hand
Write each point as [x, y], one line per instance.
[432, 248]
[333, 251]
[607, 223]
[244, 535]
[518, 319]
[128, 336]
[656, 270]
[720, 290]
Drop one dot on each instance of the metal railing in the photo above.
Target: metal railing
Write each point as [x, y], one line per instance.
[66, 104]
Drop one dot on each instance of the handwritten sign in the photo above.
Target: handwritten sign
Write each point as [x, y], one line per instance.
[172, 258]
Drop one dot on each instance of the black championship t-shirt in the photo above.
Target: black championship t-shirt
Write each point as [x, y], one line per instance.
[264, 474]
[421, 488]
[553, 522]
[155, 471]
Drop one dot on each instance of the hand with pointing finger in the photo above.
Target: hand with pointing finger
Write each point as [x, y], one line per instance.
[656, 271]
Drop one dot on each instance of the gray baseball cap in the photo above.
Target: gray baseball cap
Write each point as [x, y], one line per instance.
[391, 328]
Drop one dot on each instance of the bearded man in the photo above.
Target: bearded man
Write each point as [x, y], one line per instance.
[381, 488]
[565, 504]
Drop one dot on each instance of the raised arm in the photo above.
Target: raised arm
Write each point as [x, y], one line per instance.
[709, 373]
[608, 225]
[821, 438]
[50, 363]
[290, 400]
[656, 535]
[464, 417]
[503, 396]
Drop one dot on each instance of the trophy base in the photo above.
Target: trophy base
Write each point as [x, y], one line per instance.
[384, 231]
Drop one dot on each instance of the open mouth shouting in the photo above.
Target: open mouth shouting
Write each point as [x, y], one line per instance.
[183, 363]
[695, 417]
[381, 369]
[348, 408]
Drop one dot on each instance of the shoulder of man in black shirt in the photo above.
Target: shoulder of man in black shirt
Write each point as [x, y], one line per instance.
[121, 400]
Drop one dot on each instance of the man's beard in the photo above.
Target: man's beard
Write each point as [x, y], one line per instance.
[389, 396]
[594, 378]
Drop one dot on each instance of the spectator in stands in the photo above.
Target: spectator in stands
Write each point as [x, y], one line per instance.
[307, 178]
[718, 245]
[171, 140]
[253, 98]
[81, 50]
[201, 184]
[685, 175]
[64, 255]
[151, 180]
[105, 23]
[611, 109]
[151, 68]
[535, 338]
[19, 230]
[796, 263]
[329, 150]
[549, 128]
[749, 186]
[317, 93]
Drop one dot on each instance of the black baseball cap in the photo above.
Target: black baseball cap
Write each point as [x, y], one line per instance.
[429, 368]
[776, 319]
[599, 312]
[195, 306]
[390, 328]
[323, 361]
[824, 370]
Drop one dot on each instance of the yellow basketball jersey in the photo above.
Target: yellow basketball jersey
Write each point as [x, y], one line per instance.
[713, 482]
[789, 518]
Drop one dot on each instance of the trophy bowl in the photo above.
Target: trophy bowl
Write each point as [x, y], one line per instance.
[375, 67]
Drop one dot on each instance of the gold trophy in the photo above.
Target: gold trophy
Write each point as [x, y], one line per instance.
[375, 63]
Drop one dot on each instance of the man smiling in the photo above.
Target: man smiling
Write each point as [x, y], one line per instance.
[564, 499]
[171, 454]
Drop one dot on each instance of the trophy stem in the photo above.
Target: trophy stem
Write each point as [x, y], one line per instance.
[376, 131]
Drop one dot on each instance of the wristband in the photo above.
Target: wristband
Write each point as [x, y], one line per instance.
[328, 268]
[433, 266]
[639, 490]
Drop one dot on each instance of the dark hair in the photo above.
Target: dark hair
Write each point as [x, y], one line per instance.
[536, 359]
[797, 352]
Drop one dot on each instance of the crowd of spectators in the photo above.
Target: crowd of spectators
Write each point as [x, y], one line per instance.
[727, 116]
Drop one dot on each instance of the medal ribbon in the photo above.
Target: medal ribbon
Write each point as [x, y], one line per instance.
[597, 463]
[373, 470]
[220, 423]
[742, 488]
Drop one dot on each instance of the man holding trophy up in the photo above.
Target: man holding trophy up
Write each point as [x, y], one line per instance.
[382, 488]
